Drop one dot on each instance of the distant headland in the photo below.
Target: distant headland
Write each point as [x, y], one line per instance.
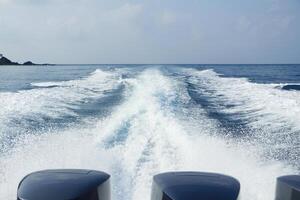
[6, 61]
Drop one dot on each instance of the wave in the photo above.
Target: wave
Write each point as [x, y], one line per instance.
[155, 129]
[271, 115]
[46, 84]
[21, 112]
[291, 87]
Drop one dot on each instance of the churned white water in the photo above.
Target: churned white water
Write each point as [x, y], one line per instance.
[157, 127]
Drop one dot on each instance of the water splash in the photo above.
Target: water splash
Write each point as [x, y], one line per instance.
[155, 129]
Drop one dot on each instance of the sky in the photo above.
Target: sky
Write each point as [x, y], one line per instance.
[150, 31]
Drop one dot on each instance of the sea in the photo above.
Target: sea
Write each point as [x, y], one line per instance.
[135, 121]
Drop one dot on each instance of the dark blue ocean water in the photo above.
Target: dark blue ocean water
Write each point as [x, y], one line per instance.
[137, 120]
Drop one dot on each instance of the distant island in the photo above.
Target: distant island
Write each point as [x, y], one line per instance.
[6, 61]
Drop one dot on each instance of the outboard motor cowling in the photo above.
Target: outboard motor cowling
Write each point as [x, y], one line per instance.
[194, 186]
[65, 184]
[288, 187]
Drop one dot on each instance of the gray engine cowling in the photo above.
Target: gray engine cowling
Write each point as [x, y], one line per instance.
[194, 186]
[65, 184]
[288, 188]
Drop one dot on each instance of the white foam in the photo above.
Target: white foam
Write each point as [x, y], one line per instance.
[144, 136]
[54, 102]
[263, 98]
[271, 113]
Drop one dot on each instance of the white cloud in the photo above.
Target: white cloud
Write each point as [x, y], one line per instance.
[126, 11]
[243, 23]
[2, 2]
[168, 17]
[142, 31]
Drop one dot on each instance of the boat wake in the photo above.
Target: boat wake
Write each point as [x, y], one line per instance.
[167, 119]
